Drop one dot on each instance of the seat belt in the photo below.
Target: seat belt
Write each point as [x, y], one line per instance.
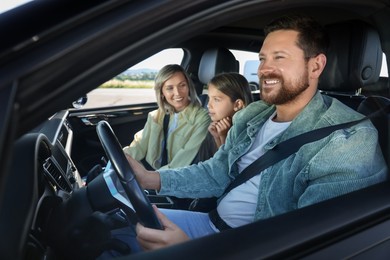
[164, 156]
[290, 146]
[282, 151]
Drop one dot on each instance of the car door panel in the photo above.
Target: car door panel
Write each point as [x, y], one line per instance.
[124, 120]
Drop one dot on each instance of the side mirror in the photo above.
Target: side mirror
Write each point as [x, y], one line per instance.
[79, 103]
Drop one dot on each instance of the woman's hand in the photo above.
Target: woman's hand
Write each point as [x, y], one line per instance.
[147, 179]
[150, 239]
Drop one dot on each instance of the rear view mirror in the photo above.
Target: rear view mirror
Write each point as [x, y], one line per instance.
[79, 103]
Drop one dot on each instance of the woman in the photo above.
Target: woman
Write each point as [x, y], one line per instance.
[188, 121]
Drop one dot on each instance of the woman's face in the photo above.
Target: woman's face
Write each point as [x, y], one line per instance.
[176, 91]
[220, 105]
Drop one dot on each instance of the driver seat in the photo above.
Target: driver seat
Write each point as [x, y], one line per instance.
[354, 62]
[354, 59]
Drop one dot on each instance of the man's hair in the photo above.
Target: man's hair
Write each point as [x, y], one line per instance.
[312, 37]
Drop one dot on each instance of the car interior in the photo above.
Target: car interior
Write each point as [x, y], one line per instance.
[58, 151]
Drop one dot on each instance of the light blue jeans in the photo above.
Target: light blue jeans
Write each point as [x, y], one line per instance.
[194, 224]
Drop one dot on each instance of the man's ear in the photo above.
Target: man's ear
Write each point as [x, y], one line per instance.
[317, 65]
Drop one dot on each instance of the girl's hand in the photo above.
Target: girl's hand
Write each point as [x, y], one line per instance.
[220, 129]
[213, 129]
[223, 126]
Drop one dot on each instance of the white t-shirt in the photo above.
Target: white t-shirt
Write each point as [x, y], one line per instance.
[238, 207]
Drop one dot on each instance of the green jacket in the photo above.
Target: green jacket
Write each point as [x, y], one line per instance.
[183, 142]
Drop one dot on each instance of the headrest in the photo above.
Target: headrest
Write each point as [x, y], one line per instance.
[354, 57]
[215, 61]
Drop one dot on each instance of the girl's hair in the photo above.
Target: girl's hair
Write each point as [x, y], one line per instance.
[234, 85]
[163, 75]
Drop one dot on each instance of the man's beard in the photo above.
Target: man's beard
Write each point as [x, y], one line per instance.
[288, 91]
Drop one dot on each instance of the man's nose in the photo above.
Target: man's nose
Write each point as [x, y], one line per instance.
[264, 68]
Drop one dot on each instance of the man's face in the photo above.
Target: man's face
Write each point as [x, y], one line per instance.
[283, 70]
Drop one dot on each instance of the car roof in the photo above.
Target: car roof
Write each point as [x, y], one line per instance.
[130, 30]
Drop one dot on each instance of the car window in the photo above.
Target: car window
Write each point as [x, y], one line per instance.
[134, 85]
[384, 71]
[249, 62]
[243, 57]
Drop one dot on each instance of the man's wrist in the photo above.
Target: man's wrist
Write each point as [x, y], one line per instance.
[153, 180]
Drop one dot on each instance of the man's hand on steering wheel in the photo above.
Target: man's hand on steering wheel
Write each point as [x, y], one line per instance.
[126, 177]
[147, 179]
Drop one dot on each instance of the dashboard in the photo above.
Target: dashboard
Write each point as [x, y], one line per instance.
[54, 154]
[51, 192]
[43, 161]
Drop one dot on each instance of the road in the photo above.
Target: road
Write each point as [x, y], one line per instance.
[116, 96]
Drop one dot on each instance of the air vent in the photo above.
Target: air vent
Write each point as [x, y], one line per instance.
[43, 152]
[55, 176]
[63, 136]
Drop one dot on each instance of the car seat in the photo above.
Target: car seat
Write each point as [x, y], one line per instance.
[381, 88]
[354, 62]
[213, 62]
[354, 59]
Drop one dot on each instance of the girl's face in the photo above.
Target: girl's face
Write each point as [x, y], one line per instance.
[220, 105]
[176, 91]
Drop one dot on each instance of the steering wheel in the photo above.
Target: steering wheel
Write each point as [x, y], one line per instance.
[134, 192]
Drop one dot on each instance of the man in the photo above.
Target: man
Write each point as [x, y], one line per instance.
[292, 59]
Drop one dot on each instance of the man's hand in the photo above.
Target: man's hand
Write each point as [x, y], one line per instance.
[151, 239]
[147, 179]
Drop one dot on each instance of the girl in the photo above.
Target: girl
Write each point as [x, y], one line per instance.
[227, 94]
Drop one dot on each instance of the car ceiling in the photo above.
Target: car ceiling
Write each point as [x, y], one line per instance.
[76, 62]
[247, 33]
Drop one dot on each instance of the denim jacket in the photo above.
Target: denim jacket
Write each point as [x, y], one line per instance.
[346, 160]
